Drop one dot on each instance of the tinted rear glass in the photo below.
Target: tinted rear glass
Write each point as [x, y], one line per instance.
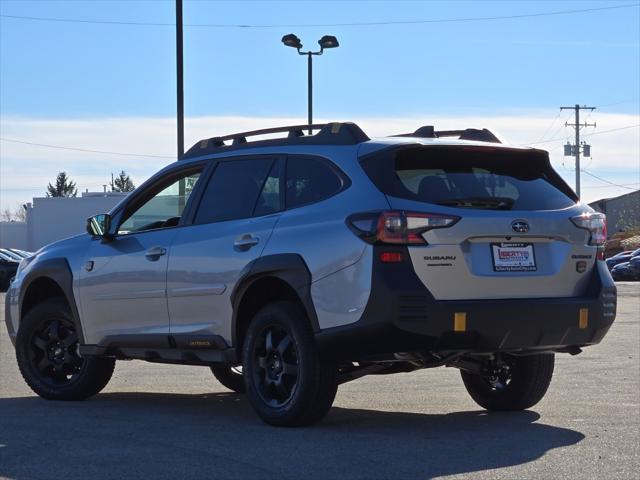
[470, 178]
[310, 180]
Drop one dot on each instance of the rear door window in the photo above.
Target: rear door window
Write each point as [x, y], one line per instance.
[270, 199]
[476, 178]
[233, 190]
[310, 180]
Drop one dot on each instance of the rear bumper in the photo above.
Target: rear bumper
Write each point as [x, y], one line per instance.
[402, 316]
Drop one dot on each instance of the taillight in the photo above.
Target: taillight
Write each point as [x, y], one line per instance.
[397, 227]
[596, 223]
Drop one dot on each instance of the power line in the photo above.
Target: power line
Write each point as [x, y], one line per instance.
[555, 119]
[628, 100]
[310, 25]
[86, 150]
[623, 185]
[559, 127]
[586, 135]
[607, 181]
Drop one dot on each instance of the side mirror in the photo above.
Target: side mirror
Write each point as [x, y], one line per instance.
[99, 225]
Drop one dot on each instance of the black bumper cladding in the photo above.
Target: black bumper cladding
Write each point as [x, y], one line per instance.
[402, 316]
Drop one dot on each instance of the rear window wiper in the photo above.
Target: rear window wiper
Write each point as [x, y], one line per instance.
[496, 203]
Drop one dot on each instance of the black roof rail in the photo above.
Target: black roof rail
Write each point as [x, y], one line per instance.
[478, 135]
[336, 133]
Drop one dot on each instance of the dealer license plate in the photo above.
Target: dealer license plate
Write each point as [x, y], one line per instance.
[513, 257]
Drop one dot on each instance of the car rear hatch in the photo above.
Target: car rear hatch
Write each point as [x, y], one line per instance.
[505, 221]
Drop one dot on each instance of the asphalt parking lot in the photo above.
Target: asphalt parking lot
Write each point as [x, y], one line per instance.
[162, 421]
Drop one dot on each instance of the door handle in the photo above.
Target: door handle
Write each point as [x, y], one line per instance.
[245, 242]
[155, 252]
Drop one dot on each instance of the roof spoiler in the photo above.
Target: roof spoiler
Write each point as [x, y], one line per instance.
[475, 134]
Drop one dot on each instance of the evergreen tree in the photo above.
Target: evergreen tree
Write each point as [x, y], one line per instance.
[64, 187]
[122, 183]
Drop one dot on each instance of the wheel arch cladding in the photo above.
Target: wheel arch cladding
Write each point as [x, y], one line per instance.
[48, 279]
[268, 279]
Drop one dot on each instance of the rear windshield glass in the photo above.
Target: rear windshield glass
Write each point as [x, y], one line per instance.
[483, 178]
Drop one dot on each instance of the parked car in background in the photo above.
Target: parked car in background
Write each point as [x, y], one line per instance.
[8, 253]
[21, 253]
[8, 267]
[625, 271]
[622, 257]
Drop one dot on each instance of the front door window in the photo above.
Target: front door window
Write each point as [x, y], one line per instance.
[164, 208]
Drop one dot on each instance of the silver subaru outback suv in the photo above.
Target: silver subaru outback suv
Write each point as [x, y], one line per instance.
[292, 265]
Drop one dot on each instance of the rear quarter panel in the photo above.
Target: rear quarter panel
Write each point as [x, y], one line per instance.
[318, 232]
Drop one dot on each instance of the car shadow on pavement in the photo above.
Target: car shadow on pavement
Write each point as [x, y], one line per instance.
[217, 435]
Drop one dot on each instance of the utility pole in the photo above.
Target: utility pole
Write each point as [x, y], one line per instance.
[179, 79]
[575, 149]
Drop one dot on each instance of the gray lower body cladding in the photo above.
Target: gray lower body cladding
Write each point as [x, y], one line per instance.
[403, 316]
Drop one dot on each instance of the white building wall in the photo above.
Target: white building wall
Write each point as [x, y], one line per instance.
[13, 235]
[54, 218]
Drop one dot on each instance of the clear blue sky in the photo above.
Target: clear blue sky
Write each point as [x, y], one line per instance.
[57, 69]
[111, 87]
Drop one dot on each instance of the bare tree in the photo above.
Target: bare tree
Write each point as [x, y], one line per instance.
[6, 215]
[17, 214]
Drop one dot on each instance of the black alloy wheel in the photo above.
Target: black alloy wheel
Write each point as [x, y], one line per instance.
[48, 358]
[275, 360]
[498, 376]
[512, 383]
[54, 353]
[287, 381]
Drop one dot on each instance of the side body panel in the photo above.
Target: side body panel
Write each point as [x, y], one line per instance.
[124, 291]
[318, 233]
[204, 267]
[340, 298]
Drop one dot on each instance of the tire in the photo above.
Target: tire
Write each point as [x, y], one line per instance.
[286, 381]
[48, 359]
[525, 384]
[229, 377]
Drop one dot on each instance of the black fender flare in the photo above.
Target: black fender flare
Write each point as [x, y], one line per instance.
[58, 270]
[288, 267]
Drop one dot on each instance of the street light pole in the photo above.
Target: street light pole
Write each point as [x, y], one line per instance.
[179, 79]
[325, 42]
[310, 89]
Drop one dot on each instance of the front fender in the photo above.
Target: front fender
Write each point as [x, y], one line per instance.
[59, 271]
